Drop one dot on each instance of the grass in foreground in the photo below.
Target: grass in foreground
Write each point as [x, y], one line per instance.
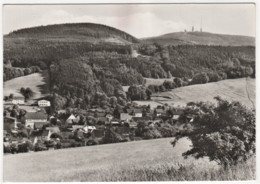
[167, 172]
[150, 160]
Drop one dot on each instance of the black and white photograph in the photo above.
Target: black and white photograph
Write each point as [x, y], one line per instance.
[129, 92]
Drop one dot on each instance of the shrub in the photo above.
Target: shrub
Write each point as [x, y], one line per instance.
[200, 78]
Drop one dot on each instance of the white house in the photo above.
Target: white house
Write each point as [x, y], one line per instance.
[35, 117]
[89, 128]
[18, 100]
[72, 119]
[44, 103]
[138, 113]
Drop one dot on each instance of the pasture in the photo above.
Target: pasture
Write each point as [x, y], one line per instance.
[38, 82]
[242, 90]
[96, 163]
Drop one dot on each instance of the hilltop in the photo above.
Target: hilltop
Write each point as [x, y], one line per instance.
[201, 38]
[90, 32]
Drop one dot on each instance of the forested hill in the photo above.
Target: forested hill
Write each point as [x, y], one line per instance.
[76, 32]
[201, 38]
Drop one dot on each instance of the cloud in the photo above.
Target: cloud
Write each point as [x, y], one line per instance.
[139, 24]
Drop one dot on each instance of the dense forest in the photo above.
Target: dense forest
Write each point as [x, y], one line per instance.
[81, 67]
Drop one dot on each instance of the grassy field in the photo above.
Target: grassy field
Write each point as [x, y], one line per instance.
[96, 163]
[242, 90]
[151, 81]
[38, 82]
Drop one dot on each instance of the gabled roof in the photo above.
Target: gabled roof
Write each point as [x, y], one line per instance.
[36, 115]
[71, 117]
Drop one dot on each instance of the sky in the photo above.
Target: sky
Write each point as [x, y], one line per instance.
[139, 20]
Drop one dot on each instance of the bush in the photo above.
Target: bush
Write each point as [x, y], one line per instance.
[225, 133]
[200, 78]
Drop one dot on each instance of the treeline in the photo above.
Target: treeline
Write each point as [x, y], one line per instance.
[12, 72]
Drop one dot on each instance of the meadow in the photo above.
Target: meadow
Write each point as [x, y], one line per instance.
[242, 90]
[97, 162]
[38, 82]
[149, 160]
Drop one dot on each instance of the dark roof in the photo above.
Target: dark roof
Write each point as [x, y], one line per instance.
[177, 112]
[100, 114]
[129, 111]
[39, 124]
[159, 111]
[137, 110]
[142, 118]
[36, 115]
[9, 118]
[18, 98]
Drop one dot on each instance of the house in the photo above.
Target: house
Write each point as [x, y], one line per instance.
[176, 115]
[18, 100]
[159, 112]
[132, 124]
[40, 125]
[102, 120]
[10, 123]
[89, 128]
[145, 119]
[44, 135]
[100, 114]
[44, 103]
[61, 111]
[125, 117]
[72, 119]
[109, 116]
[114, 122]
[76, 127]
[35, 117]
[54, 129]
[138, 113]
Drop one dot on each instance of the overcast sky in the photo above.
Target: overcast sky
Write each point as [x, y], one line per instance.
[138, 20]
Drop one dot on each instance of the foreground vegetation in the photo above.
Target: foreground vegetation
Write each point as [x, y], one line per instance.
[167, 172]
[149, 160]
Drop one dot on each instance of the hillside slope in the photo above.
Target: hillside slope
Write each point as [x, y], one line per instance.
[89, 32]
[242, 90]
[95, 163]
[201, 38]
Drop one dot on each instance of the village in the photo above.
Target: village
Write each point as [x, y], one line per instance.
[30, 126]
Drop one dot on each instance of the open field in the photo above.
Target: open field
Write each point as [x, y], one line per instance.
[96, 162]
[242, 90]
[38, 82]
